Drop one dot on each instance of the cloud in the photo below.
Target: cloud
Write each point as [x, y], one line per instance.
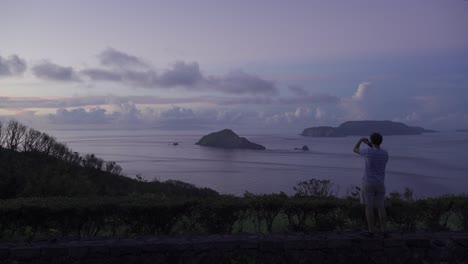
[181, 74]
[79, 116]
[245, 101]
[302, 114]
[55, 72]
[240, 82]
[102, 75]
[132, 71]
[297, 90]
[175, 117]
[138, 79]
[82, 101]
[214, 118]
[52, 102]
[120, 67]
[362, 91]
[12, 66]
[117, 59]
[230, 116]
[128, 114]
[311, 99]
[319, 114]
[123, 68]
[143, 79]
[357, 107]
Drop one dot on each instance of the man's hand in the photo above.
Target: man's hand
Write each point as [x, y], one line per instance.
[358, 145]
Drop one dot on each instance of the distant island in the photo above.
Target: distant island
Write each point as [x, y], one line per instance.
[364, 128]
[229, 140]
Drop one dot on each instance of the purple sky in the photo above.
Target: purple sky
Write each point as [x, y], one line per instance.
[258, 64]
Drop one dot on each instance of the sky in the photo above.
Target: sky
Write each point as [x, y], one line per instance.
[262, 64]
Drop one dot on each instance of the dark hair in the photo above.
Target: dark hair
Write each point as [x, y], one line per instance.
[376, 138]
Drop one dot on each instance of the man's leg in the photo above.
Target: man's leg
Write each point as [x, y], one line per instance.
[380, 205]
[382, 217]
[370, 218]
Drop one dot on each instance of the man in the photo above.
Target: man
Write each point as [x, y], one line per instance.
[373, 187]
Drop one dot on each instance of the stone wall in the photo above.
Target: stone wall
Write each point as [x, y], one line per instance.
[247, 248]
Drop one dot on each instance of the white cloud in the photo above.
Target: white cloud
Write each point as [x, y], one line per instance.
[412, 117]
[79, 116]
[362, 91]
[357, 107]
[302, 116]
[320, 114]
[127, 114]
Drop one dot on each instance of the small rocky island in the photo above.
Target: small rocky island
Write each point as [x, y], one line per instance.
[364, 128]
[304, 148]
[229, 140]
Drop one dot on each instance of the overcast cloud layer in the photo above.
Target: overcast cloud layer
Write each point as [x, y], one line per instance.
[233, 99]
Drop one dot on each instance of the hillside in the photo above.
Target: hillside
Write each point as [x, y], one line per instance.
[35, 164]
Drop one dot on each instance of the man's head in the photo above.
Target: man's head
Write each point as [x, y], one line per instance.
[376, 139]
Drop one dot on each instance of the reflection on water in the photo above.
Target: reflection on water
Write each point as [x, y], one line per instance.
[431, 164]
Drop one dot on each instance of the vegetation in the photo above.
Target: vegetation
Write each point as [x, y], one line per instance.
[47, 190]
[142, 215]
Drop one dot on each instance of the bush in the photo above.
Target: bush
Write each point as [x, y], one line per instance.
[460, 208]
[314, 188]
[266, 208]
[404, 215]
[141, 215]
[220, 215]
[436, 212]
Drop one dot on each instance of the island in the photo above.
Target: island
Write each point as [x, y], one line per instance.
[364, 128]
[227, 139]
[304, 148]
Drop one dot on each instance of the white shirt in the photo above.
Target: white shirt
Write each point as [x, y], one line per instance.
[376, 162]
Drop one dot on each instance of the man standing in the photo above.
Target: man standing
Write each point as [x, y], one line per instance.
[373, 187]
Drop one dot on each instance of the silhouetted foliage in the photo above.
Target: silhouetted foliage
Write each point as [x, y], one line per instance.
[148, 214]
[314, 188]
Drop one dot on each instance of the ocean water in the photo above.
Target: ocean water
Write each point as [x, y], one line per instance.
[430, 164]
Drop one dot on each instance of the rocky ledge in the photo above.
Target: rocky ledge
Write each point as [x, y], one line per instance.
[247, 248]
[229, 140]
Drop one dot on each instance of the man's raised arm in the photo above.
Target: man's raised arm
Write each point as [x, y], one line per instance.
[358, 145]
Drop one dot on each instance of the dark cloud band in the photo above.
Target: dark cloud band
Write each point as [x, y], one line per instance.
[12, 66]
[51, 71]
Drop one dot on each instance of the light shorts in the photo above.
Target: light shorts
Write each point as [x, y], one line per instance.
[373, 194]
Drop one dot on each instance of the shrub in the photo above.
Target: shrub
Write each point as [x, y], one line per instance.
[436, 212]
[266, 207]
[314, 188]
[405, 215]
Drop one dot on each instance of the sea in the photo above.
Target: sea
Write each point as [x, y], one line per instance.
[431, 164]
